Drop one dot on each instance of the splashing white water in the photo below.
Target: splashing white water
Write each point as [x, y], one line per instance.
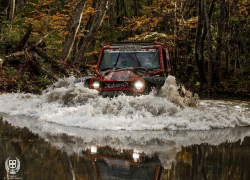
[72, 104]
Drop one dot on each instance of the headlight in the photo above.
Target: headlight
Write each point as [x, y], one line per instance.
[96, 84]
[138, 85]
[136, 156]
[93, 150]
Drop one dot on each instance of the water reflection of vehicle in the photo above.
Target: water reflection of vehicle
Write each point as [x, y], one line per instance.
[110, 164]
[131, 68]
[79, 153]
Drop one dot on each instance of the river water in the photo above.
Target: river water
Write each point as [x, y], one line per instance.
[69, 132]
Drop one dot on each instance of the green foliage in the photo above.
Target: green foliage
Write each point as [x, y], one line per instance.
[216, 15]
[15, 79]
[197, 83]
[171, 22]
[42, 82]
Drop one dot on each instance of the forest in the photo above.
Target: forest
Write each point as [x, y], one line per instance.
[44, 40]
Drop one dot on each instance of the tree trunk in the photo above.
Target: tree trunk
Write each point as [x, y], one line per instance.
[98, 18]
[22, 43]
[76, 20]
[175, 41]
[45, 56]
[124, 8]
[87, 27]
[118, 19]
[210, 57]
[135, 8]
[201, 53]
[92, 43]
[216, 75]
[38, 65]
[11, 11]
[198, 43]
[235, 64]
[227, 57]
[75, 47]
[242, 38]
[90, 21]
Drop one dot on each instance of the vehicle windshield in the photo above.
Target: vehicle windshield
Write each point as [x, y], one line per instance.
[143, 59]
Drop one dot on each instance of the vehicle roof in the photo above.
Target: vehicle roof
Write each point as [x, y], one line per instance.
[135, 44]
[142, 43]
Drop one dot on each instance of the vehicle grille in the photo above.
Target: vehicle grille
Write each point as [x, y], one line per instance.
[116, 85]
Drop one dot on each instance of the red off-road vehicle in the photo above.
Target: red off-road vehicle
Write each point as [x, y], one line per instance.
[130, 68]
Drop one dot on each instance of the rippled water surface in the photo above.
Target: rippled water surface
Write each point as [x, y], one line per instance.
[52, 151]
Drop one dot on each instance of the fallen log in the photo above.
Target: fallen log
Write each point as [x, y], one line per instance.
[41, 53]
[45, 36]
[53, 62]
[16, 54]
[50, 48]
[22, 43]
[37, 64]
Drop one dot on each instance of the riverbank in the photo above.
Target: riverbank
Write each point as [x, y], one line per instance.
[23, 77]
[228, 91]
[243, 96]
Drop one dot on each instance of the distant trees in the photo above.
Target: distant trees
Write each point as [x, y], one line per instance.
[74, 27]
[101, 7]
[99, 14]
[208, 39]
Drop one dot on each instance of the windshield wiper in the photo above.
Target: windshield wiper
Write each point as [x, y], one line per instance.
[117, 60]
[109, 69]
[143, 68]
[137, 60]
[148, 68]
[105, 69]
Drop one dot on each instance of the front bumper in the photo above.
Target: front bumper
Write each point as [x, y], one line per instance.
[106, 85]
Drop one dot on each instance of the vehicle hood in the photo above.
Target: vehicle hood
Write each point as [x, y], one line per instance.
[124, 75]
